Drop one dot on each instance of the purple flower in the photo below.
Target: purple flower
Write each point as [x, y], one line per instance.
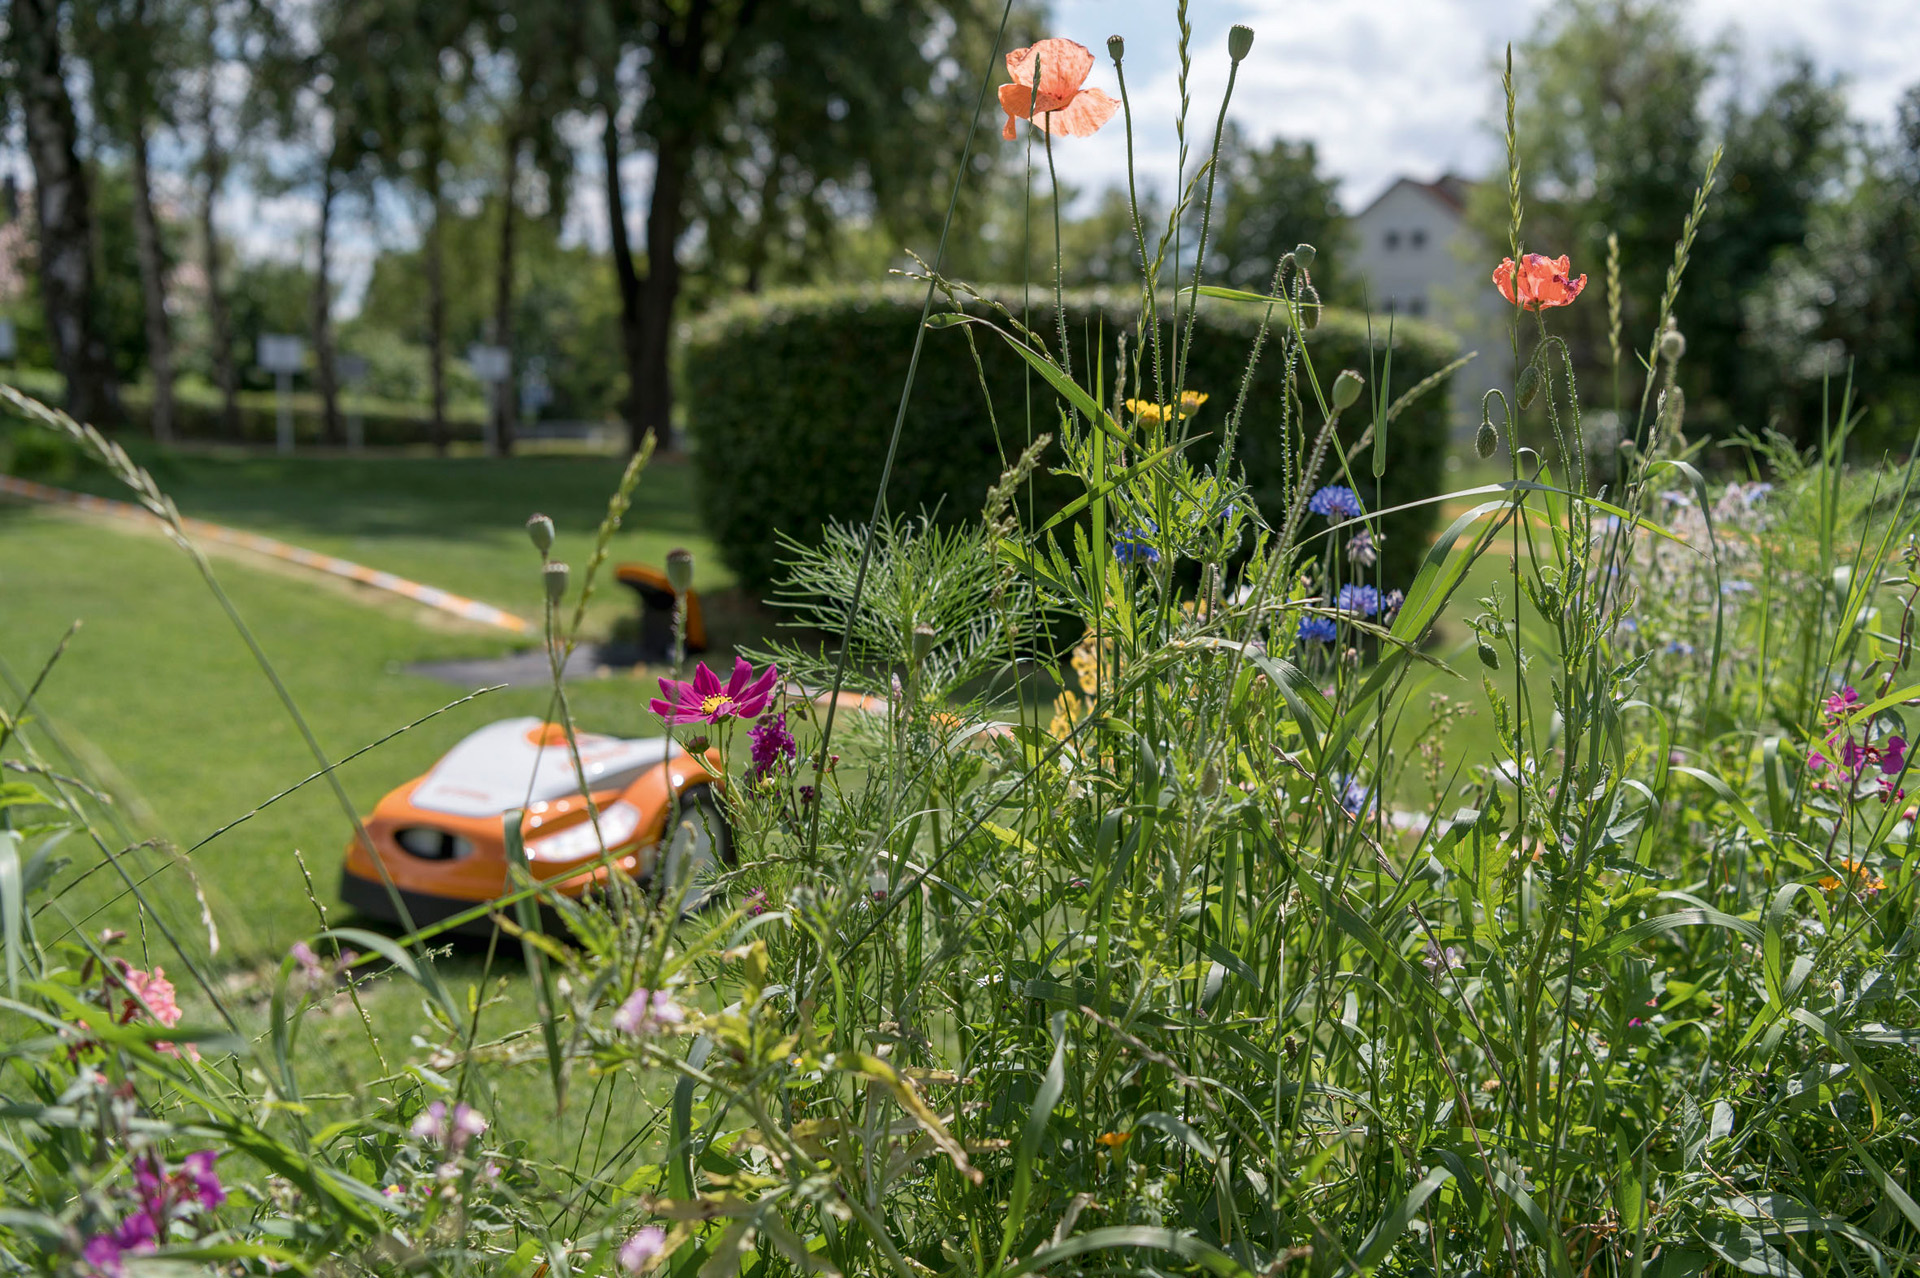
[137, 1233]
[197, 1168]
[756, 902]
[1362, 550]
[1364, 600]
[1356, 796]
[1317, 630]
[1130, 545]
[1438, 960]
[1391, 605]
[1336, 501]
[1895, 757]
[772, 745]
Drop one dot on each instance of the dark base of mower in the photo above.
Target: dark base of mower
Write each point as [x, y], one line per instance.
[371, 897]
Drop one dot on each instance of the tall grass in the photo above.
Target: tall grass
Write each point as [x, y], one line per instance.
[1169, 975]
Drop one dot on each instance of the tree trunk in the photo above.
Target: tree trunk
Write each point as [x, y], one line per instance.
[323, 378]
[153, 287]
[62, 210]
[503, 397]
[653, 399]
[213, 164]
[436, 309]
[623, 271]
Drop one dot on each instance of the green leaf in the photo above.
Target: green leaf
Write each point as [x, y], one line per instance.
[1387, 1230]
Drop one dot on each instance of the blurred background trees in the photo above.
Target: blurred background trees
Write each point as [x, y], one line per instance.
[571, 184]
[1809, 243]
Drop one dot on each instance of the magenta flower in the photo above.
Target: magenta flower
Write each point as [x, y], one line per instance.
[197, 1169]
[773, 745]
[1895, 757]
[1842, 702]
[705, 700]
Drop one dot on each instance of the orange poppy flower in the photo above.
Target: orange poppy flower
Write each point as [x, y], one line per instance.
[1114, 1140]
[1543, 282]
[1060, 106]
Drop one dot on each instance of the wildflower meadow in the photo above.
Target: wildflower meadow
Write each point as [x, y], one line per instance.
[1153, 886]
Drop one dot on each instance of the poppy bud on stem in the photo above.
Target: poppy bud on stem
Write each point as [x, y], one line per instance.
[1528, 387]
[554, 575]
[1117, 47]
[1346, 389]
[680, 570]
[1303, 255]
[1239, 42]
[540, 530]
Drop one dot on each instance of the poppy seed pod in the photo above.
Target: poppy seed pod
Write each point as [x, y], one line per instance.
[540, 529]
[1485, 440]
[1117, 47]
[923, 637]
[1303, 254]
[680, 570]
[1527, 389]
[555, 577]
[1239, 41]
[1346, 389]
[1673, 343]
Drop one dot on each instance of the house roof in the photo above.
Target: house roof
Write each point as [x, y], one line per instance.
[1448, 190]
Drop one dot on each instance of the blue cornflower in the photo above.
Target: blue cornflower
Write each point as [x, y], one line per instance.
[1336, 501]
[1356, 796]
[1318, 630]
[1130, 545]
[1364, 600]
[1680, 647]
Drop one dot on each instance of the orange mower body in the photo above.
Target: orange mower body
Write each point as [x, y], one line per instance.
[438, 843]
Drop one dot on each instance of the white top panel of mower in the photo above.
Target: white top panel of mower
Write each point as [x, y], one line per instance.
[503, 766]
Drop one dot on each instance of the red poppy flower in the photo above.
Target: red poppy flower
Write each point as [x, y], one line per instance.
[1543, 282]
[705, 700]
[1060, 106]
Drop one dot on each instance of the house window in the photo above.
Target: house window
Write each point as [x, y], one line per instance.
[1393, 240]
[1417, 239]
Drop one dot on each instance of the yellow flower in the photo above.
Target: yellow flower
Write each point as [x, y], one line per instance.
[1149, 411]
[1114, 1140]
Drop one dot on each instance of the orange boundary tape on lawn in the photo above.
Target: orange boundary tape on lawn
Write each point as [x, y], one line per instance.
[432, 597]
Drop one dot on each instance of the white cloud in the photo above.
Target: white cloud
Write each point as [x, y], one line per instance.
[1385, 87]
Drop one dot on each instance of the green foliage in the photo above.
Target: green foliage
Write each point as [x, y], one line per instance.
[791, 398]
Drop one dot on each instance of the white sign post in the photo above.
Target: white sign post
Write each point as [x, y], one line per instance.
[353, 370]
[494, 366]
[283, 355]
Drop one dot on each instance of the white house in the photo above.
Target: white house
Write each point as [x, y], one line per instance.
[1417, 257]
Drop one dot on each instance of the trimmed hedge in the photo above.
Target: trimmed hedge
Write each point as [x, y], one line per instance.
[791, 398]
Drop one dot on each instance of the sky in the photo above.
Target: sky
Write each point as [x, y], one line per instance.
[1391, 87]
[1383, 88]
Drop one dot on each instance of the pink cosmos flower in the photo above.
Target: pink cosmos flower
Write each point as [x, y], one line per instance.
[705, 700]
[640, 1250]
[1060, 106]
[1543, 282]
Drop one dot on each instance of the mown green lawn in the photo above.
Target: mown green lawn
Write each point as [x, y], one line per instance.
[158, 698]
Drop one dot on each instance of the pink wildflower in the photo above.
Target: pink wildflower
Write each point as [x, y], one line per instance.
[643, 1249]
[705, 700]
[648, 1011]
